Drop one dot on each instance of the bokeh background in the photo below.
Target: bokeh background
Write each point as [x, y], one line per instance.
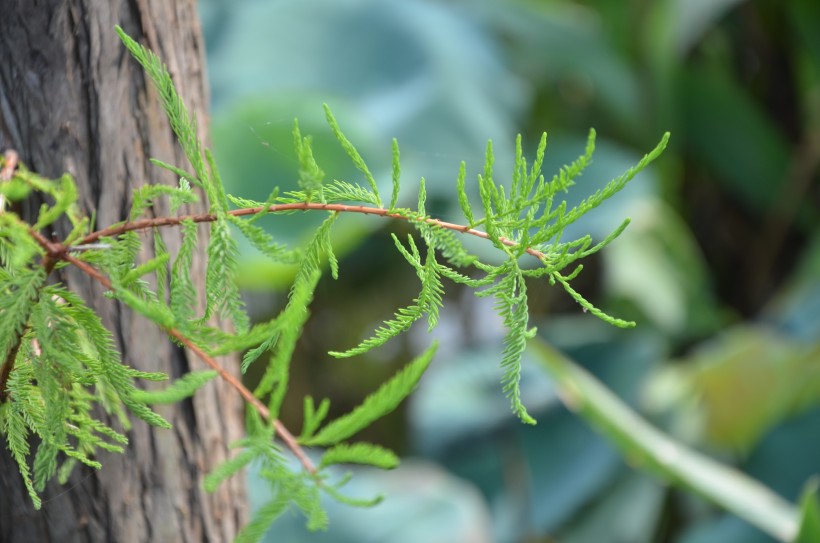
[720, 267]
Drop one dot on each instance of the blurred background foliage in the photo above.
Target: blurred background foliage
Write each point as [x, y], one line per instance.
[720, 267]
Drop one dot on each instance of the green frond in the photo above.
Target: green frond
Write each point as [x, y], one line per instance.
[307, 498]
[422, 199]
[519, 170]
[214, 187]
[65, 197]
[313, 417]
[460, 278]
[272, 198]
[185, 178]
[351, 151]
[360, 453]
[120, 257]
[616, 184]
[310, 174]
[334, 493]
[99, 427]
[244, 203]
[583, 302]
[276, 376]
[396, 175]
[157, 312]
[221, 290]
[403, 318]
[17, 247]
[45, 464]
[463, 199]
[447, 243]
[489, 198]
[228, 469]
[342, 191]
[378, 404]
[144, 197]
[18, 295]
[16, 431]
[149, 267]
[432, 290]
[183, 124]
[535, 172]
[105, 360]
[155, 376]
[413, 257]
[428, 301]
[183, 296]
[181, 389]
[263, 518]
[261, 240]
[511, 302]
[161, 251]
[565, 178]
[294, 316]
[607, 240]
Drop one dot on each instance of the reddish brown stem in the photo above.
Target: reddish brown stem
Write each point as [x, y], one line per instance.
[58, 251]
[9, 164]
[298, 206]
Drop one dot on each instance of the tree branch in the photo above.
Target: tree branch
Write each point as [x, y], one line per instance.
[145, 224]
[58, 251]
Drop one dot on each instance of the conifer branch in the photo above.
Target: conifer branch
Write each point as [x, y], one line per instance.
[69, 362]
[159, 222]
[59, 251]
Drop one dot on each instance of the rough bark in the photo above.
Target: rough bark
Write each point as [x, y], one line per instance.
[73, 100]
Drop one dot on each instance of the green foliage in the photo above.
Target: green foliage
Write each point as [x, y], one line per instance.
[59, 362]
[182, 388]
[360, 453]
[809, 514]
[354, 155]
[375, 406]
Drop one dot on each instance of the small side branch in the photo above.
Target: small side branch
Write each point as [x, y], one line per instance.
[58, 251]
[158, 222]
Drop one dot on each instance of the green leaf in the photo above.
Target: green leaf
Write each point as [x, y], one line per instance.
[183, 296]
[378, 404]
[183, 124]
[263, 518]
[313, 417]
[17, 443]
[809, 531]
[182, 388]
[351, 151]
[396, 175]
[228, 468]
[65, 196]
[310, 174]
[360, 453]
[222, 293]
[649, 449]
[18, 295]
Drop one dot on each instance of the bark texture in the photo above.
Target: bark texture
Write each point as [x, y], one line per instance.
[73, 100]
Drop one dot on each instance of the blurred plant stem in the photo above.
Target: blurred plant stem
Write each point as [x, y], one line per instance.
[647, 448]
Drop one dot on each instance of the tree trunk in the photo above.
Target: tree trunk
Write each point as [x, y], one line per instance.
[73, 100]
